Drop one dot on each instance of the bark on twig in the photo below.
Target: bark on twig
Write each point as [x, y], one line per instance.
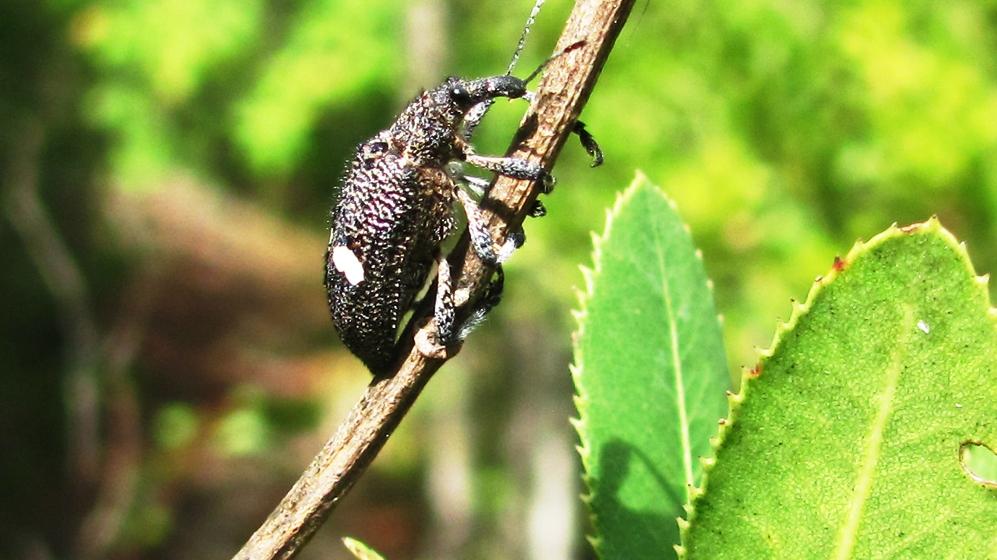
[562, 93]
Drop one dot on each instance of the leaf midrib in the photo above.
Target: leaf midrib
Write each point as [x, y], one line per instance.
[845, 543]
[677, 368]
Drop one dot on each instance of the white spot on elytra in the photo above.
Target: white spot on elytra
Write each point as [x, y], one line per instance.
[347, 263]
[923, 327]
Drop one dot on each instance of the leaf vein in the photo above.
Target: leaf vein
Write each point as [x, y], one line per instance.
[676, 357]
[874, 443]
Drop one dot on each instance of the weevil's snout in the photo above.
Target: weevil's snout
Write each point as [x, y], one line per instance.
[506, 86]
[473, 92]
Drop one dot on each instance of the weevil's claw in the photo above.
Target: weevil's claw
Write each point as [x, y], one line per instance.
[491, 298]
[513, 241]
[588, 142]
[547, 182]
[537, 209]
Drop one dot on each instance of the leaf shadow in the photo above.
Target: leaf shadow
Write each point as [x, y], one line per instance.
[622, 530]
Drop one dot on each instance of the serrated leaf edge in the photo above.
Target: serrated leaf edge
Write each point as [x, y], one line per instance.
[748, 375]
[581, 398]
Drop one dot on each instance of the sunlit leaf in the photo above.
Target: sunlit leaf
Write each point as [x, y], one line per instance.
[650, 373]
[845, 441]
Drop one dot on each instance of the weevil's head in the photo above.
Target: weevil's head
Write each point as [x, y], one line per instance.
[468, 93]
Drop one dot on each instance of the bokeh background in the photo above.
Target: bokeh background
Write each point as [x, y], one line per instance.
[167, 367]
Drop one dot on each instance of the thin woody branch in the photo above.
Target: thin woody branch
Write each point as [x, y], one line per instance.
[60, 273]
[561, 94]
[563, 91]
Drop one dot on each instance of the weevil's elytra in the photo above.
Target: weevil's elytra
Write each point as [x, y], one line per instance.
[396, 207]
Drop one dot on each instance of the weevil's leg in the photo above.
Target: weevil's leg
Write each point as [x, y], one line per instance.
[474, 117]
[537, 209]
[481, 238]
[488, 301]
[444, 311]
[477, 185]
[508, 166]
[437, 345]
[455, 170]
[513, 167]
[477, 113]
[588, 142]
[447, 335]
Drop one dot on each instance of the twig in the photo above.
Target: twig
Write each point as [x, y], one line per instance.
[560, 97]
[116, 487]
[64, 280]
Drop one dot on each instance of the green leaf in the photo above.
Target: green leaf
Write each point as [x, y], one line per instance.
[845, 440]
[361, 551]
[650, 372]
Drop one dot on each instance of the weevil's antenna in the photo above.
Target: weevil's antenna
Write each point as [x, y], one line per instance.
[522, 37]
[564, 51]
[477, 113]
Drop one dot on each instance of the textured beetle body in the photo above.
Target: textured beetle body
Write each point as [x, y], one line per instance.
[396, 207]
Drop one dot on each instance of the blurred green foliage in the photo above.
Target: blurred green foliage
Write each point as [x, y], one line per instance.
[784, 130]
[315, 69]
[175, 425]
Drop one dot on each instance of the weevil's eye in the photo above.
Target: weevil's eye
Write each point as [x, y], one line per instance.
[460, 93]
